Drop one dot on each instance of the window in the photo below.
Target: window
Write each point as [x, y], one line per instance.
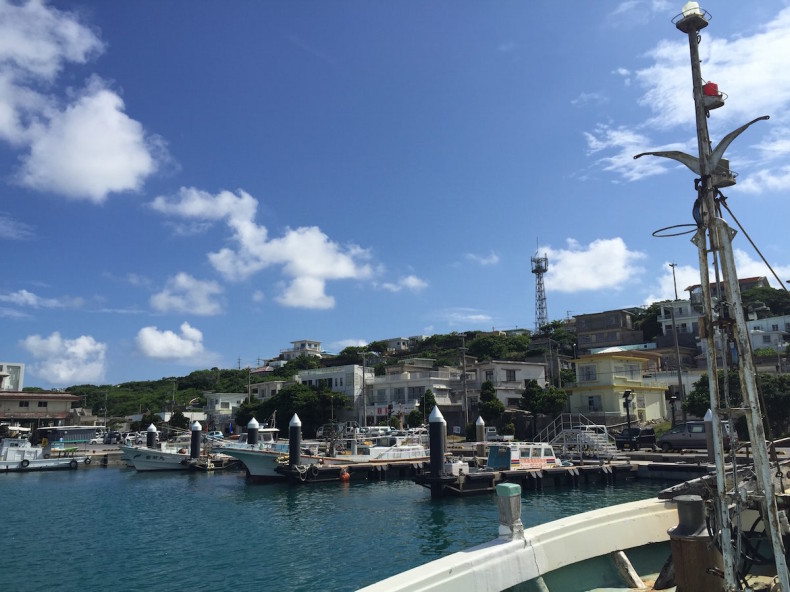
[774, 327]
[587, 372]
[766, 339]
[697, 428]
[594, 403]
[512, 402]
[510, 375]
[490, 375]
[224, 405]
[24, 403]
[42, 403]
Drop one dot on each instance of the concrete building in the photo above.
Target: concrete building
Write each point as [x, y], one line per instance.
[602, 379]
[606, 329]
[12, 376]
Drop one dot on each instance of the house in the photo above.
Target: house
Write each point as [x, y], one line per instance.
[221, 408]
[603, 378]
[606, 329]
[36, 408]
[303, 347]
[508, 378]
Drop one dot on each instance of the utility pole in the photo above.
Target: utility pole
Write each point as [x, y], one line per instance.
[681, 391]
[463, 379]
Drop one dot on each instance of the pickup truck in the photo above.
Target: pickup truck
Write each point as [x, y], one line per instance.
[493, 436]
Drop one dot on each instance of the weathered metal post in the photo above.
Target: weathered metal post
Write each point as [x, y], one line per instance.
[295, 441]
[509, 504]
[150, 436]
[194, 448]
[252, 432]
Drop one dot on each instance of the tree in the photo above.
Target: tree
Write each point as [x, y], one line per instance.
[777, 300]
[647, 320]
[178, 420]
[545, 401]
[491, 408]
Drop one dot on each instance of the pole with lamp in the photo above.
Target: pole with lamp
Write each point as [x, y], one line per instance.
[681, 392]
[713, 236]
[463, 379]
[627, 404]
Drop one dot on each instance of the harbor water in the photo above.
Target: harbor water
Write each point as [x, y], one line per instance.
[119, 530]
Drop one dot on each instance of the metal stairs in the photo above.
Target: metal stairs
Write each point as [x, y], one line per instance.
[574, 435]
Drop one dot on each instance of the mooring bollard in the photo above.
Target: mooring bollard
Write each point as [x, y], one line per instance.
[691, 551]
[295, 441]
[150, 436]
[480, 436]
[436, 434]
[509, 504]
[252, 432]
[194, 450]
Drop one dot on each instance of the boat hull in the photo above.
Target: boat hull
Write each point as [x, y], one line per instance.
[43, 464]
[150, 459]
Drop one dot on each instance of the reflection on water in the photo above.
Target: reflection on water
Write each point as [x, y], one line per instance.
[161, 531]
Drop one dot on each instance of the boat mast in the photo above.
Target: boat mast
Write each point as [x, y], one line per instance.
[714, 240]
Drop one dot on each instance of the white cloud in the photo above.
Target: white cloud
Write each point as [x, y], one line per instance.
[586, 98]
[86, 149]
[750, 70]
[411, 283]
[89, 150]
[484, 260]
[625, 143]
[604, 263]
[12, 229]
[67, 361]
[685, 275]
[307, 256]
[25, 298]
[167, 345]
[748, 266]
[466, 318]
[338, 346]
[185, 294]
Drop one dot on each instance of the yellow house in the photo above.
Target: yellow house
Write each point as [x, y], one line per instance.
[603, 378]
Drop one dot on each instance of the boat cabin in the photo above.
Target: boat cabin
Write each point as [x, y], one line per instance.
[521, 455]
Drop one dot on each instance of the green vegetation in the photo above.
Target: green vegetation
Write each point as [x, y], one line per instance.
[545, 401]
[491, 408]
[774, 391]
[777, 300]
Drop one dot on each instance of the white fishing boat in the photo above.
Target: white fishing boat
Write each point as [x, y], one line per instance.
[164, 458]
[726, 533]
[384, 449]
[18, 454]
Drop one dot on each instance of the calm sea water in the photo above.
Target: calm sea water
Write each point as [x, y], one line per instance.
[119, 530]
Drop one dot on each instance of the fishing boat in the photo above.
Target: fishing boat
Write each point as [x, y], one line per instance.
[18, 454]
[165, 458]
[262, 453]
[727, 532]
[383, 449]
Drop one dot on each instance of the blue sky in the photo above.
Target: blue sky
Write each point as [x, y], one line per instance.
[196, 184]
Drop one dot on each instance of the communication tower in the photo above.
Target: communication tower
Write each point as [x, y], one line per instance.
[540, 265]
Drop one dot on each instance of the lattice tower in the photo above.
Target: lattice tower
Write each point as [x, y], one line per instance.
[540, 265]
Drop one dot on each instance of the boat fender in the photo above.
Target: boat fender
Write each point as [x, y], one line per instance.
[44, 442]
[47, 455]
[25, 463]
[87, 460]
[313, 471]
[182, 451]
[73, 464]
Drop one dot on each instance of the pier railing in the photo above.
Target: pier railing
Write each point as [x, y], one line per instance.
[575, 435]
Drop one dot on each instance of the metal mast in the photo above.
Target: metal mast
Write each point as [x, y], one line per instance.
[540, 265]
[713, 240]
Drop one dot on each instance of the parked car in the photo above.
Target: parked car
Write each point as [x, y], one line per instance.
[97, 440]
[635, 438]
[690, 434]
[215, 436]
[113, 437]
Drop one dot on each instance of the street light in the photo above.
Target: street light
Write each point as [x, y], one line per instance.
[627, 405]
